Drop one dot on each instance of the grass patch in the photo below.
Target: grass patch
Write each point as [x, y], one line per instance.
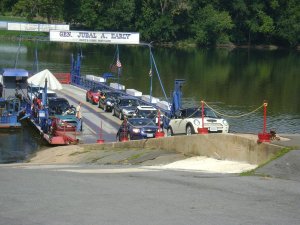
[276, 156]
[136, 156]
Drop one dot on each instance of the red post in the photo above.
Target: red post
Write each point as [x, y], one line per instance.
[264, 136]
[100, 140]
[159, 133]
[202, 130]
[124, 137]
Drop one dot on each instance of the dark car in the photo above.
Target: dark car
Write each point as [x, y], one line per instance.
[108, 99]
[64, 114]
[57, 106]
[137, 128]
[125, 106]
[146, 111]
[93, 95]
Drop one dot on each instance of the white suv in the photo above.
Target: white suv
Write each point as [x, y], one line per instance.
[190, 120]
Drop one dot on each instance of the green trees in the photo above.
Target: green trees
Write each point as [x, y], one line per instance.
[205, 22]
[211, 26]
[49, 9]
[288, 23]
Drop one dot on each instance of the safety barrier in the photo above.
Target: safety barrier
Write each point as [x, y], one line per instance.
[100, 140]
[262, 137]
[64, 78]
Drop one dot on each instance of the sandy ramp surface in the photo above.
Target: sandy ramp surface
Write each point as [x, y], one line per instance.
[205, 164]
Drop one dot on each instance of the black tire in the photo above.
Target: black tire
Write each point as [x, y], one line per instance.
[170, 132]
[189, 130]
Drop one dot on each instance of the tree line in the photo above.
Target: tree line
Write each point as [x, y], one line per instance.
[204, 22]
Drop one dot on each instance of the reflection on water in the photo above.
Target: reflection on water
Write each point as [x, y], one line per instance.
[234, 82]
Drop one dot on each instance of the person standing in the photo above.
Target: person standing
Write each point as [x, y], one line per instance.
[1, 89]
[79, 117]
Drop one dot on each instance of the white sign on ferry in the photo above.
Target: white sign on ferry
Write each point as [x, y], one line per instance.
[36, 27]
[95, 37]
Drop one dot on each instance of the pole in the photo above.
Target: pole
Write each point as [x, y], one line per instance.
[202, 130]
[100, 140]
[159, 133]
[264, 136]
[202, 113]
[265, 117]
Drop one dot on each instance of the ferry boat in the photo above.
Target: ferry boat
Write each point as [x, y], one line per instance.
[13, 86]
[54, 129]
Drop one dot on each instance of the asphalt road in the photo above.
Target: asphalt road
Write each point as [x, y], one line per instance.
[87, 195]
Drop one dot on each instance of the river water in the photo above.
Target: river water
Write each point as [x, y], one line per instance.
[234, 82]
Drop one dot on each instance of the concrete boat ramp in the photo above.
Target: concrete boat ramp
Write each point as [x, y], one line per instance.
[213, 153]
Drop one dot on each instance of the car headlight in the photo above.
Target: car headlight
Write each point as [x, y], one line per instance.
[108, 103]
[197, 122]
[136, 130]
[125, 111]
[96, 97]
[225, 122]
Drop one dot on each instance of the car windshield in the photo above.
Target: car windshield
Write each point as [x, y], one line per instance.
[129, 102]
[141, 122]
[49, 95]
[113, 94]
[58, 106]
[33, 89]
[95, 89]
[146, 113]
[197, 112]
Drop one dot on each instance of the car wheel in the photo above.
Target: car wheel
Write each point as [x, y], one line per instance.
[170, 132]
[190, 130]
[120, 116]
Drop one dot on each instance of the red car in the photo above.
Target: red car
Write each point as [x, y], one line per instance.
[93, 95]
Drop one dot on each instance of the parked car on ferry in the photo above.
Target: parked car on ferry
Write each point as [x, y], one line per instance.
[125, 106]
[33, 91]
[50, 94]
[190, 120]
[93, 95]
[57, 106]
[107, 99]
[137, 128]
[146, 111]
[64, 114]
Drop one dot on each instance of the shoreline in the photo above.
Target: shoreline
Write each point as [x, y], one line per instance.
[175, 45]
